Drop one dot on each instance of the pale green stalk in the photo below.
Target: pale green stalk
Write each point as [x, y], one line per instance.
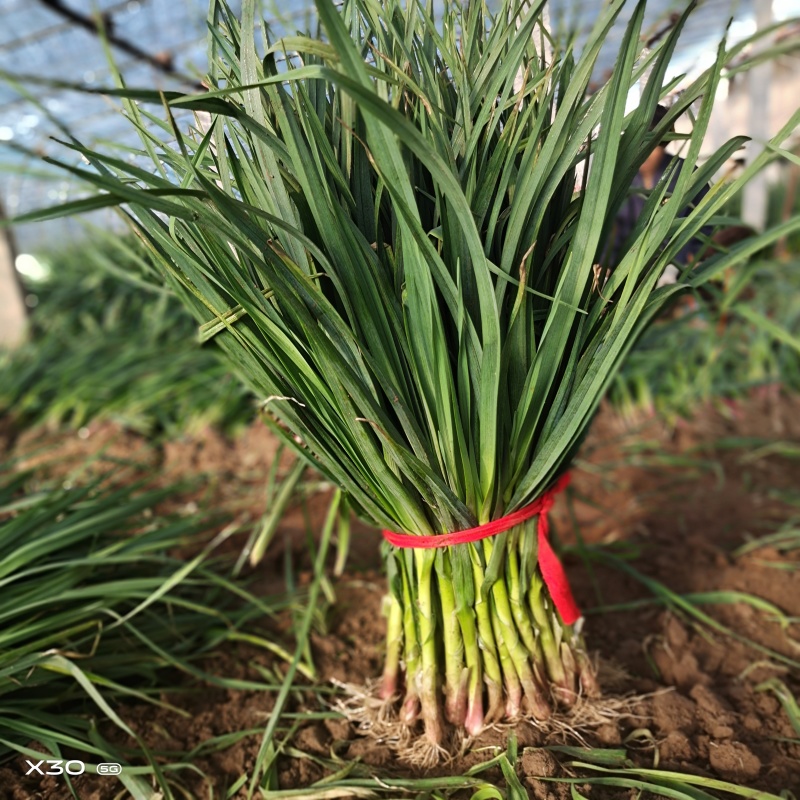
[511, 680]
[428, 682]
[516, 592]
[455, 676]
[489, 650]
[409, 712]
[474, 717]
[394, 646]
[545, 620]
[518, 655]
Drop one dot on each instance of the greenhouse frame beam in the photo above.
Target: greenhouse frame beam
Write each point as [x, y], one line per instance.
[103, 26]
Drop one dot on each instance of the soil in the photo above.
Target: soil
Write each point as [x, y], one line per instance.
[673, 501]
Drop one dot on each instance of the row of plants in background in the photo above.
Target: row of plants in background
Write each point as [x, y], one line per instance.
[727, 342]
[106, 346]
[108, 342]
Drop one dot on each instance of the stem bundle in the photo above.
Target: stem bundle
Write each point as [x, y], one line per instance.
[489, 638]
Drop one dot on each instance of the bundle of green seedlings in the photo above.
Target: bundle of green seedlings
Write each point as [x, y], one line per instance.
[379, 225]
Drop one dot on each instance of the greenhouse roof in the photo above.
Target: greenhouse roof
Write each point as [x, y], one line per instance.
[163, 43]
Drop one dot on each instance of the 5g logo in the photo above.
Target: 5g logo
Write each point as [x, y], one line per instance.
[74, 767]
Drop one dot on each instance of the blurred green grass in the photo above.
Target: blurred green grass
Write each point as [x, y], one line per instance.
[108, 342]
[722, 345]
[97, 609]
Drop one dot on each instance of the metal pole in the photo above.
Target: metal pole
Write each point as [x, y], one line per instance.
[755, 196]
[13, 313]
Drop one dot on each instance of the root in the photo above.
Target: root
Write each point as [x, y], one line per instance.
[421, 753]
[371, 715]
[588, 714]
[378, 719]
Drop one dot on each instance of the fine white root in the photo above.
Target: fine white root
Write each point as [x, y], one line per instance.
[378, 720]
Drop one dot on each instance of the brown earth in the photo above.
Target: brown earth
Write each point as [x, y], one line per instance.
[679, 498]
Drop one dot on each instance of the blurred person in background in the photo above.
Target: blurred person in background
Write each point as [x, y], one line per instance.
[650, 173]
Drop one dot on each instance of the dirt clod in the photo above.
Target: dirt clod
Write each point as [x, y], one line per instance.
[539, 763]
[734, 761]
[677, 748]
[672, 711]
[536, 764]
[609, 735]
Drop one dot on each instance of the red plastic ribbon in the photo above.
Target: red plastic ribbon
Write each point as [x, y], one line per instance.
[552, 571]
